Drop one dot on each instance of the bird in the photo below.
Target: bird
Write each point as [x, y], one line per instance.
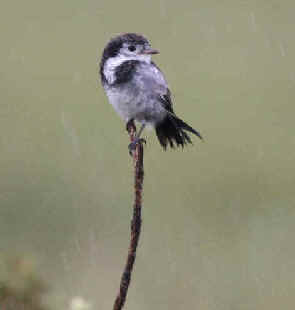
[138, 91]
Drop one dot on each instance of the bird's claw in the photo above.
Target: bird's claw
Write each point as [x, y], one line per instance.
[133, 144]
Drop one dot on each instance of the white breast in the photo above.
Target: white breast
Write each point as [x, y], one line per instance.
[121, 102]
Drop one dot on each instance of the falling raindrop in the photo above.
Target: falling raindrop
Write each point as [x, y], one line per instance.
[79, 303]
[253, 22]
[282, 50]
[163, 10]
[70, 131]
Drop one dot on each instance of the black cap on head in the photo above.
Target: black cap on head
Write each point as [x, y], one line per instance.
[115, 44]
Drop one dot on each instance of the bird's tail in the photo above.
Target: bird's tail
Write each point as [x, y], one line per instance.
[172, 131]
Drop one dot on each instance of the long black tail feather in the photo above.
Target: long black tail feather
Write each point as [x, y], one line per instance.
[172, 131]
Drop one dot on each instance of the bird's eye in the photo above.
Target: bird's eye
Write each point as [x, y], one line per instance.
[131, 48]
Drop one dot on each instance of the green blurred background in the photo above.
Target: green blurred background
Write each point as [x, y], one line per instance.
[218, 217]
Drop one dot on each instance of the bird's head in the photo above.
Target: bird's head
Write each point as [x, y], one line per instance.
[129, 46]
[124, 47]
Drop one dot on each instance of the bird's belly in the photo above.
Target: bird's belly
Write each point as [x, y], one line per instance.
[135, 106]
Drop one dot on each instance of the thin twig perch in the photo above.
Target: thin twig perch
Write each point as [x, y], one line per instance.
[136, 220]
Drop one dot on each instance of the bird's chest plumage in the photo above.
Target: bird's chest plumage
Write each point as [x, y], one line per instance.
[135, 92]
[124, 101]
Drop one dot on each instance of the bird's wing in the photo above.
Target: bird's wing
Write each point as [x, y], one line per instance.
[166, 101]
[165, 94]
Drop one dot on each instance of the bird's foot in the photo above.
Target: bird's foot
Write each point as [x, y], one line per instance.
[133, 144]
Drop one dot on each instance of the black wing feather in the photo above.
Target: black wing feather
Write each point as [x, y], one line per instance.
[172, 130]
[166, 101]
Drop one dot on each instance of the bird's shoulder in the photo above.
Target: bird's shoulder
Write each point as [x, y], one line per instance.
[153, 71]
[163, 90]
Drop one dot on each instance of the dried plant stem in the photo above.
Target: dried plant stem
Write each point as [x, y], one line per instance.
[136, 220]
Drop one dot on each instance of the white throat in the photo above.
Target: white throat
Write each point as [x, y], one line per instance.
[112, 63]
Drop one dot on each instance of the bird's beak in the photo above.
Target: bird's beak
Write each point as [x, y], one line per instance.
[150, 51]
